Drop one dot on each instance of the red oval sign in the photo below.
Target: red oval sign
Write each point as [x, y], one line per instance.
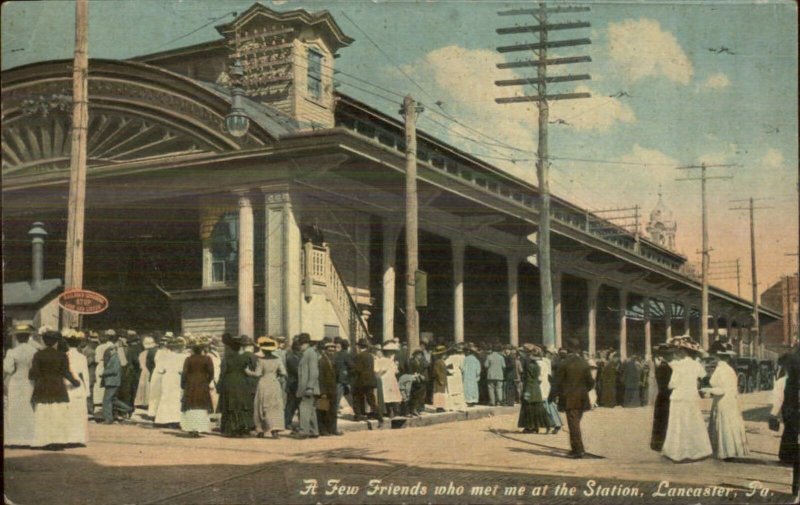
[83, 301]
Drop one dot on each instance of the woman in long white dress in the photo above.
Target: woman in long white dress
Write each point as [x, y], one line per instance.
[726, 426]
[155, 380]
[170, 369]
[18, 418]
[77, 424]
[455, 381]
[687, 437]
[143, 390]
[386, 369]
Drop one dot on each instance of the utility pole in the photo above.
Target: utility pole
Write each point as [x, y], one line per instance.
[705, 251]
[73, 274]
[410, 110]
[753, 270]
[542, 98]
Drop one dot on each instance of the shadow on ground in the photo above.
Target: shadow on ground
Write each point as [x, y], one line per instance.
[760, 414]
[70, 479]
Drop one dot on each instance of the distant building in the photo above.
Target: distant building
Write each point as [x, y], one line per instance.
[662, 227]
[782, 297]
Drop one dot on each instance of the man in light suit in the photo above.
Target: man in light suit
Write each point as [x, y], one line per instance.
[573, 383]
[308, 387]
[495, 366]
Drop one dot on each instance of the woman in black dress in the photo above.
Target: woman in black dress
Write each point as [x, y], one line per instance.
[661, 404]
[235, 400]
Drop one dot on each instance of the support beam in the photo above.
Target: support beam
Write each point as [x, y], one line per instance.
[458, 290]
[648, 343]
[390, 235]
[246, 279]
[593, 287]
[623, 324]
[557, 279]
[715, 325]
[513, 300]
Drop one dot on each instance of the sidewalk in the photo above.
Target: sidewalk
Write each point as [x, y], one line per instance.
[346, 424]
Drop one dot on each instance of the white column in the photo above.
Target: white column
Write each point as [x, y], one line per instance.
[623, 324]
[667, 320]
[715, 325]
[592, 288]
[557, 278]
[648, 341]
[513, 300]
[687, 319]
[282, 275]
[458, 290]
[293, 277]
[390, 234]
[246, 272]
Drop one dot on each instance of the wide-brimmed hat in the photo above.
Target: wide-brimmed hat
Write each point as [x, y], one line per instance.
[439, 349]
[726, 352]
[330, 345]
[110, 333]
[391, 346]
[148, 342]
[362, 342]
[267, 344]
[21, 329]
[685, 342]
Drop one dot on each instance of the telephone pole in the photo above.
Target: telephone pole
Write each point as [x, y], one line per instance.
[753, 270]
[73, 274]
[409, 111]
[542, 98]
[705, 251]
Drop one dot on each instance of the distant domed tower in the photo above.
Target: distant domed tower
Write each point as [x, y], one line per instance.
[661, 227]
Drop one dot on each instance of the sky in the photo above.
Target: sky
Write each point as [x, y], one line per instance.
[672, 84]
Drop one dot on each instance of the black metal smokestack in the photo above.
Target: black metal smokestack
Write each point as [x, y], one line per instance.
[37, 234]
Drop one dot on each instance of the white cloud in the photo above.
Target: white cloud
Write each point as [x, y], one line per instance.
[597, 113]
[649, 157]
[773, 159]
[642, 49]
[464, 82]
[716, 81]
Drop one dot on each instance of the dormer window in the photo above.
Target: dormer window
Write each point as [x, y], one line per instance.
[314, 74]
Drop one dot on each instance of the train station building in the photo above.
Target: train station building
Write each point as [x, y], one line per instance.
[271, 203]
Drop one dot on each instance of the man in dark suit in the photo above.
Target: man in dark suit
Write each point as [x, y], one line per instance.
[326, 405]
[111, 381]
[364, 383]
[791, 409]
[574, 381]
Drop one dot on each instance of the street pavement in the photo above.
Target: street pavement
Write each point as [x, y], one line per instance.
[478, 459]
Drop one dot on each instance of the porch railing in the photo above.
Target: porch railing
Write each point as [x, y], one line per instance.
[319, 270]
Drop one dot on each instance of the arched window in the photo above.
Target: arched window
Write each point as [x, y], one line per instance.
[225, 249]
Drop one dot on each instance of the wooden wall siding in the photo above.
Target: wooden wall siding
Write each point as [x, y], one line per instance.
[210, 316]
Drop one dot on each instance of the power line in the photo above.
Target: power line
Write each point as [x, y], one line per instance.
[230, 13]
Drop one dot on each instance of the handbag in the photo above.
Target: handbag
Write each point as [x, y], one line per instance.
[774, 423]
[323, 404]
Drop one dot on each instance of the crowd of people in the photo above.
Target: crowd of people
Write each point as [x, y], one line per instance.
[56, 381]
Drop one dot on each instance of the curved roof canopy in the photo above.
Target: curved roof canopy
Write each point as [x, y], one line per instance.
[136, 112]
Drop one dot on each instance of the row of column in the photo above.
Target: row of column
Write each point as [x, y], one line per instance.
[458, 248]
